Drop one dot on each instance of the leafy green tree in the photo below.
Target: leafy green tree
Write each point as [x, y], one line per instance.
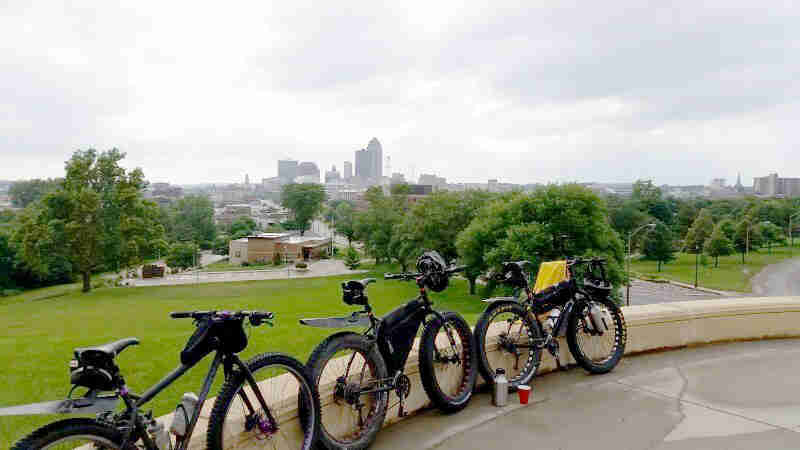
[23, 193]
[687, 213]
[221, 245]
[627, 218]
[770, 234]
[243, 226]
[305, 202]
[7, 254]
[351, 258]
[747, 237]
[531, 226]
[193, 220]
[718, 244]
[728, 227]
[182, 255]
[345, 221]
[658, 245]
[700, 230]
[96, 216]
[376, 226]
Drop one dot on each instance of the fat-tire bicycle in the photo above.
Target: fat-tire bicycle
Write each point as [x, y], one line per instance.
[251, 406]
[362, 370]
[509, 334]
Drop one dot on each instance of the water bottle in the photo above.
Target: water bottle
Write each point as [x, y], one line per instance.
[183, 414]
[160, 436]
[500, 397]
[552, 320]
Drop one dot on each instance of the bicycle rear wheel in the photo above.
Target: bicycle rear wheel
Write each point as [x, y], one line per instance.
[292, 419]
[597, 351]
[71, 434]
[447, 363]
[343, 367]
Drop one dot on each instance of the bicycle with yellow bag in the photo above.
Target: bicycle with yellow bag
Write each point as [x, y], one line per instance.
[570, 298]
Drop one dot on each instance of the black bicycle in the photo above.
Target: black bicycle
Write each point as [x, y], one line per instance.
[256, 405]
[509, 334]
[358, 372]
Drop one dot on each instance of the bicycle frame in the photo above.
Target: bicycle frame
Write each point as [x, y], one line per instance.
[134, 402]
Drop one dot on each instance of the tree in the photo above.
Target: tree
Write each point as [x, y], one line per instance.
[221, 245]
[718, 245]
[23, 193]
[305, 202]
[658, 245]
[531, 226]
[747, 237]
[770, 233]
[376, 226]
[700, 230]
[182, 255]
[243, 226]
[627, 218]
[6, 262]
[97, 218]
[193, 220]
[345, 221]
[351, 258]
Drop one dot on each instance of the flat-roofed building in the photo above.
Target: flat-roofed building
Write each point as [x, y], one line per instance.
[288, 246]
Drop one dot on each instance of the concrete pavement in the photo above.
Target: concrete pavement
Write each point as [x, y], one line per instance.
[778, 279]
[731, 396]
[647, 292]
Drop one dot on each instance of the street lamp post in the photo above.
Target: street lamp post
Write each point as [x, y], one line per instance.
[649, 226]
[696, 263]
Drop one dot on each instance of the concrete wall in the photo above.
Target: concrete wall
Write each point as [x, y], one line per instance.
[650, 327]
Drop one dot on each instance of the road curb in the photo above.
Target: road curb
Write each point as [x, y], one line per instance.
[690, 286]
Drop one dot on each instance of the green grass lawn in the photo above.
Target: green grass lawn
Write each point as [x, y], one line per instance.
[731, 275]
[41, 328]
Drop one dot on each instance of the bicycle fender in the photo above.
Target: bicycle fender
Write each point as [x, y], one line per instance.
[69, 406]
[500, 299]
[337, 322]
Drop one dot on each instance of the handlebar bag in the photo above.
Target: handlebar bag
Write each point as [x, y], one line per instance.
[228, 334]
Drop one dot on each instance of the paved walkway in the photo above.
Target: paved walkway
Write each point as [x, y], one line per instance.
[329, 267]
[646, 292]
[778, 279]
[733, 396]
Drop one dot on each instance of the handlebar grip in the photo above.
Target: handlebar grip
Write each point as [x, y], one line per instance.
[456, 269]
[180, 315]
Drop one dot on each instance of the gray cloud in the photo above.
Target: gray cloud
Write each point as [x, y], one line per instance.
[679, 91]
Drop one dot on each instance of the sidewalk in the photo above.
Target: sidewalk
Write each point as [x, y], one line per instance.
[714, 397]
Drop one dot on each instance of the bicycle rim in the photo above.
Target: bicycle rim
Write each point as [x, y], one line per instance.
[598, 349]
[509, 342]
[81, 441]
[281, 386]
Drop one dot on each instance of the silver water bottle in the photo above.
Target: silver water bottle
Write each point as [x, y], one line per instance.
[500, 397]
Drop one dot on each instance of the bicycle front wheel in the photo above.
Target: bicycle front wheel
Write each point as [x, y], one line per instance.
[508, 338]
[447, 363]
[292, 415]
[599, 348]
[71, 434]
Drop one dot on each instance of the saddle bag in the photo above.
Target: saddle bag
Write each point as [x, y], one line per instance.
[93, 370]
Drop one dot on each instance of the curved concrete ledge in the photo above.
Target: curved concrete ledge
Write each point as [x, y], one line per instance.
[650, 327]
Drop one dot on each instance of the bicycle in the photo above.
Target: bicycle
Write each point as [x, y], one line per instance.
[251, 419]
[582, 311]
[372, 364]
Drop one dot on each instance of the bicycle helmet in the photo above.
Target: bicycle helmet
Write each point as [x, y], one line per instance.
[433, 266]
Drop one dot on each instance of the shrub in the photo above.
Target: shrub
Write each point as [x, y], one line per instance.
[245, 264]
[351, 259]
[301, 265]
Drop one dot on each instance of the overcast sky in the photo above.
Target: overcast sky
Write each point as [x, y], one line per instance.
[562, 91]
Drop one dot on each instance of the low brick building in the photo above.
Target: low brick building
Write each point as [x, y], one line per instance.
[262, 248]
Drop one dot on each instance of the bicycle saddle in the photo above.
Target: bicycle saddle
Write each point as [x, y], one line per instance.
[111, 349]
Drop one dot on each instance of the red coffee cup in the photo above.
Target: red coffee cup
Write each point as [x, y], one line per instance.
[524, 392]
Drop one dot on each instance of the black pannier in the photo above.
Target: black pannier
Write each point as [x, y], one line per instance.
[397, 332]
[555, 295]
[229, 334]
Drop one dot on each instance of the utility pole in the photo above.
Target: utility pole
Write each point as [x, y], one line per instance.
[791, 236]
[696, 264]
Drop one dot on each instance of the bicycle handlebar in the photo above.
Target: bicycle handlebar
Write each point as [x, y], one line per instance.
[408, 276]
[256, 317]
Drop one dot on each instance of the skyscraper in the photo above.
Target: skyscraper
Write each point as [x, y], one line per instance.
[369, 161]
[308, 170]
[287, 170]
[348, 170]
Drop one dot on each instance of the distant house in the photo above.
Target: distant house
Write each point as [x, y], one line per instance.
[262, 248]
